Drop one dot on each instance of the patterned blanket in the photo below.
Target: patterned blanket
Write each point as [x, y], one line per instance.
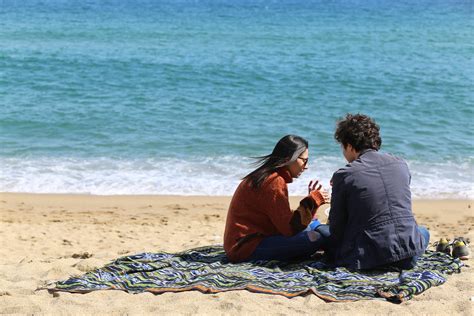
[206, 269]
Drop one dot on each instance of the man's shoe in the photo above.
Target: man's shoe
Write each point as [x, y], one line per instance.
[443, 246]
[460, 249]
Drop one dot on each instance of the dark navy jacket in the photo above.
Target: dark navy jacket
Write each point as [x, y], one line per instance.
[371, 221]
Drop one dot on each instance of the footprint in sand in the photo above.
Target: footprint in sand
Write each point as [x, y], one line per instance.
[207, 217]
[88, 264]
[175, 207]
[226, 306]
[82, 255]
[67, 242]
[144, 207]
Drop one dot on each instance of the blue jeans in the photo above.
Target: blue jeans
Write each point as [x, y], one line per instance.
[279, 247]
[410, 263]
[405, 264]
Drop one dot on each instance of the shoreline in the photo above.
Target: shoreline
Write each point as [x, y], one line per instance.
[49, 237]
[468, 200]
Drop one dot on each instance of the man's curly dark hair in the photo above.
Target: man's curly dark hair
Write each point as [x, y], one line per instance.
[358, 130]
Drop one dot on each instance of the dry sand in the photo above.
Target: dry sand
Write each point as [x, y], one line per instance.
[43, 238]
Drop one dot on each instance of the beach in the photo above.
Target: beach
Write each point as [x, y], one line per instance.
[126, 127]
[50, 237]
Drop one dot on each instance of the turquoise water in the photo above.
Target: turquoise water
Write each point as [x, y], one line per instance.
[171, 97]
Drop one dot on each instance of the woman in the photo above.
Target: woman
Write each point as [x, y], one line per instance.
[260, 224]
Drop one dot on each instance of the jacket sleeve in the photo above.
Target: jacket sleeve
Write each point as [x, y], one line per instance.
[338, 212]
[287, 221]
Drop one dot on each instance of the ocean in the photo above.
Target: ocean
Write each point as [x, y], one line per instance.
[174, 97]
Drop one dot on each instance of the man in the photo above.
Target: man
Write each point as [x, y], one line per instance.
[371, 222]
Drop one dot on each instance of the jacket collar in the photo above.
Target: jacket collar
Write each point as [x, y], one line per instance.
[364, 151]
[285, 174]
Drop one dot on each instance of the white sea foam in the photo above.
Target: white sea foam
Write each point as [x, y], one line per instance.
[199, 176]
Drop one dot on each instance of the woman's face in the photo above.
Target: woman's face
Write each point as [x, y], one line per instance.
[297, 167]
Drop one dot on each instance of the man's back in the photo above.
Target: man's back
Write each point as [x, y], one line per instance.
[371, 220]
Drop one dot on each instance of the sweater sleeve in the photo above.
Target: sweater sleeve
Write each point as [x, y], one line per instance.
[303, 215]
[287, 221]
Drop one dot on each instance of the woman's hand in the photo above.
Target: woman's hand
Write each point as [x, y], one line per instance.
[313, 186]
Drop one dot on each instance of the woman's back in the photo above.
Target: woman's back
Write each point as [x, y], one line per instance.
[252, 214]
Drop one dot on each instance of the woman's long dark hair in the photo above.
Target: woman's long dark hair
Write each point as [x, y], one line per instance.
[285, 152]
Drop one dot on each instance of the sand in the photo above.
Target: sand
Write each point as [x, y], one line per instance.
[51, 237]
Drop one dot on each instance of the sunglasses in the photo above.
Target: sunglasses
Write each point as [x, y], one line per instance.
[305, 160]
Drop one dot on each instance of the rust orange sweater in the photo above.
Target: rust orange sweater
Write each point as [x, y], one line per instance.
[256, 213]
